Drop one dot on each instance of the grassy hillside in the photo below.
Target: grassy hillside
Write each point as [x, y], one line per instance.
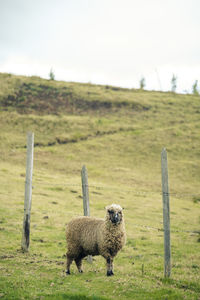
[118, 134]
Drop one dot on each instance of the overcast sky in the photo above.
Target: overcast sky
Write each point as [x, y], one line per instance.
[103, 41]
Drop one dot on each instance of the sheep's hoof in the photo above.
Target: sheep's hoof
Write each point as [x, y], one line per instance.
[110, 273]
[67, 272]
[80, 271]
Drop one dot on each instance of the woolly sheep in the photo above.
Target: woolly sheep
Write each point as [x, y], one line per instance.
[92, 236]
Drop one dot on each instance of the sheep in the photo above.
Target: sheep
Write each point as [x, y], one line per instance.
[93, 236]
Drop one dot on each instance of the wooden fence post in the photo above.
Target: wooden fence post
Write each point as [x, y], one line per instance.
[85, 190]
[166, 214]
[28, 192]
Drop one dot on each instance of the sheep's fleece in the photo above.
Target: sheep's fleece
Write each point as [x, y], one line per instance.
[92, 236]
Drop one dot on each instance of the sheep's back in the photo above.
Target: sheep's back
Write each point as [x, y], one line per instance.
[85, 233]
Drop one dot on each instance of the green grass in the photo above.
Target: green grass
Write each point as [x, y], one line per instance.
[118, 134]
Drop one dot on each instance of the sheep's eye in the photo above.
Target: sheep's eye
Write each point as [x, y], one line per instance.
[120, 212]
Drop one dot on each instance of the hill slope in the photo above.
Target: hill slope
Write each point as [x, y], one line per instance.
[118, 134]
[36, 95]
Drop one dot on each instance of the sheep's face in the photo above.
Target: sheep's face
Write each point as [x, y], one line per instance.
[114, 213]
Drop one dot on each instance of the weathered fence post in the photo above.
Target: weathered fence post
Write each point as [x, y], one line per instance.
[166, 214]
[85, 190]
[86, 206]
[28, 192]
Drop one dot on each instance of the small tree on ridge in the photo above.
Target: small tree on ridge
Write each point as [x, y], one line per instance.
[142, 83]
[51, 75]
[194, 88]
[173, 83]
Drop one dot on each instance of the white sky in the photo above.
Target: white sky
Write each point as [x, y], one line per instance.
[103, 41]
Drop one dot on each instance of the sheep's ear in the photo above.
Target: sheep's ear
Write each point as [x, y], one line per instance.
[123, 208]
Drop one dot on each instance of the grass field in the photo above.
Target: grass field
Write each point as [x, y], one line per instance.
[119, 135]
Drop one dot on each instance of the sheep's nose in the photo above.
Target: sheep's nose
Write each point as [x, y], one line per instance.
[116, 217]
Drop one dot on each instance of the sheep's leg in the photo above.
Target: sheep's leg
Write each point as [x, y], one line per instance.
[78, 262]
[69, 261]
[109, 261]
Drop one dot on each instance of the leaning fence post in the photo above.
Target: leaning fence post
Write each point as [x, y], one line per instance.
[86, 206]
[28, 192]
[166, 214]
